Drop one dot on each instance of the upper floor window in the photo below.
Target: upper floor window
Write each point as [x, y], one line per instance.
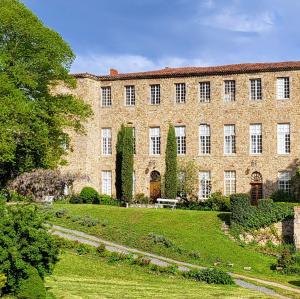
[204, 92]
[180, 92]
[284, 181]
[229, 139]
[204, 185]
[181, 140]
[229, 182]
[256, 139]
[106, 180]
[106, 96]
[155, 94]
[229, 90]
[106, 141]
[130, 95]
[154, 141]
[283, 139]
[255, 89]
[283, 88]
[204, 139]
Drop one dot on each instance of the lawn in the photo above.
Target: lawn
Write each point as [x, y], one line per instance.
[89, 276]
[190, 232]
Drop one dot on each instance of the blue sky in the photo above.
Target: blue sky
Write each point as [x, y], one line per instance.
[136, 35]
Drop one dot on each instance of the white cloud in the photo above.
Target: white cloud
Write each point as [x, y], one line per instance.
[230, 19]
[100, 64]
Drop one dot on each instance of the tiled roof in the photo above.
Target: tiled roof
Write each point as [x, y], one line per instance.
[200, 71]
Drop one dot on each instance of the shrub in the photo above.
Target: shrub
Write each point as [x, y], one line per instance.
[89, 195]
[75, 218]
[3, 280]
[281, 196]
[140, 198]
[218, 202]
[105, 199]
[159, 239]
[32, 287]
[101, 249]
[141, 261]
[61, 213]
[289, 261]
[89, 221]
[211, 276]
[82, 249]
[75, 199]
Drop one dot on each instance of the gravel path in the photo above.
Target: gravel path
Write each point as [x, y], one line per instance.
[164, 261]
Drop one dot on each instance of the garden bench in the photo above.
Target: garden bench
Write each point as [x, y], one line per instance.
[162, 202]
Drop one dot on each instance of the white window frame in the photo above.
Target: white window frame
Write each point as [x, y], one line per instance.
[180, 133]
[204, 185]
[154, 94]
[106, 100]
[255, 89]
[283, 139]
[229, 90]
[283, 88]
[180, 93]
[106, 182]
[204, 139]
[229, 182]
[255, 139]
[229, 139]
[106, 139]
[285, 181]
[204, 92]
[154, 141]
[130, 95]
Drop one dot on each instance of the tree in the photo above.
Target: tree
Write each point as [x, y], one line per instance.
[119, 155]
[34, 60]
[171, 165]
[127, 165]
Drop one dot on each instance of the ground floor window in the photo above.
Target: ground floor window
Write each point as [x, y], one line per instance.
[229, 182]
[106, 179]
[204, 185]
[284, 181]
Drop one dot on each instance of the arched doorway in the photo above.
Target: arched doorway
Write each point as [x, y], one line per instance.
[256, 187]
[155, 185]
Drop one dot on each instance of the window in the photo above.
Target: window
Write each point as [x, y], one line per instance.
[106, 96]
[255, 139]
[229, 139]
[181, 140]
[204, 185]
[204, 139]
[283, 88]
[255, 89]
[134, 140]
[204, 92]
[180, 92]
[155, 94]
[284, 181]
[229, 182]
[106, 141]
[154, 141]
[229, 90]
[106, 182]
[283, 139]
[130, 95]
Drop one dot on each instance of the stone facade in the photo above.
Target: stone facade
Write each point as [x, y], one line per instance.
[85, 156]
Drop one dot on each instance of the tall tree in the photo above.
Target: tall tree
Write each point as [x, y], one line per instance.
[171, 165]
[127, 165]
[119, 155]
[33, 120]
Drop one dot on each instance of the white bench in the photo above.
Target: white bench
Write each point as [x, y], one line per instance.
[162, 202]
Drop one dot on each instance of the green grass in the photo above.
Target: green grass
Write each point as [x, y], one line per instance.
[191, 231]
[89, 276]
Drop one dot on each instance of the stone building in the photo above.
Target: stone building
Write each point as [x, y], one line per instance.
[239, 123]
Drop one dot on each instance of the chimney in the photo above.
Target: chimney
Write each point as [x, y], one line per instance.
[113, 72]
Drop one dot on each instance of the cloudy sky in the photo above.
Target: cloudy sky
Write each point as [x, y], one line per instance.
[135, 35]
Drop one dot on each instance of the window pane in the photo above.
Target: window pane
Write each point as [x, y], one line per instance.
[204, 185]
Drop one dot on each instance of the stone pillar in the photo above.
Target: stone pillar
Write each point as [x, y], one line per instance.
[297, 227]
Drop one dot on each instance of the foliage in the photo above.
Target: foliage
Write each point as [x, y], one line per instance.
[101, 249]
[24, 242]
[42, 182]
[3, 280]
[127, 165]
[252, 217]
[31, 287]
[75, 199]
[34, 115]
[141, 198]
[89, 195]
[159, 239]
[170, 189]
[187, 180]
[289, 262]
[215, 276]
[119, 156]
[281, 196]
[61, 213]
[218, 202]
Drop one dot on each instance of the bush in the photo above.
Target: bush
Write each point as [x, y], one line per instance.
[211, 276]
[108, 200]
[32, 287]
[252, 217]
[89, 195]
[101, 249]
[140, 198]
[3, 280]
[281, 196]
[75, 199]
[218, 202]
[61, 213]
[289, 262]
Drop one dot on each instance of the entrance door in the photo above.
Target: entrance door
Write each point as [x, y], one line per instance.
[155, 185]
[256, 187]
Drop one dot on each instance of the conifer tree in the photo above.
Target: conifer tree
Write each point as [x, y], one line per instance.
[119, 155]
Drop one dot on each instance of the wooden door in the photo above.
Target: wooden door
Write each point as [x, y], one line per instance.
[256, 193]
[155, 191]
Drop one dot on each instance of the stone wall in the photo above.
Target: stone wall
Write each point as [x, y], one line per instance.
[297, 227]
